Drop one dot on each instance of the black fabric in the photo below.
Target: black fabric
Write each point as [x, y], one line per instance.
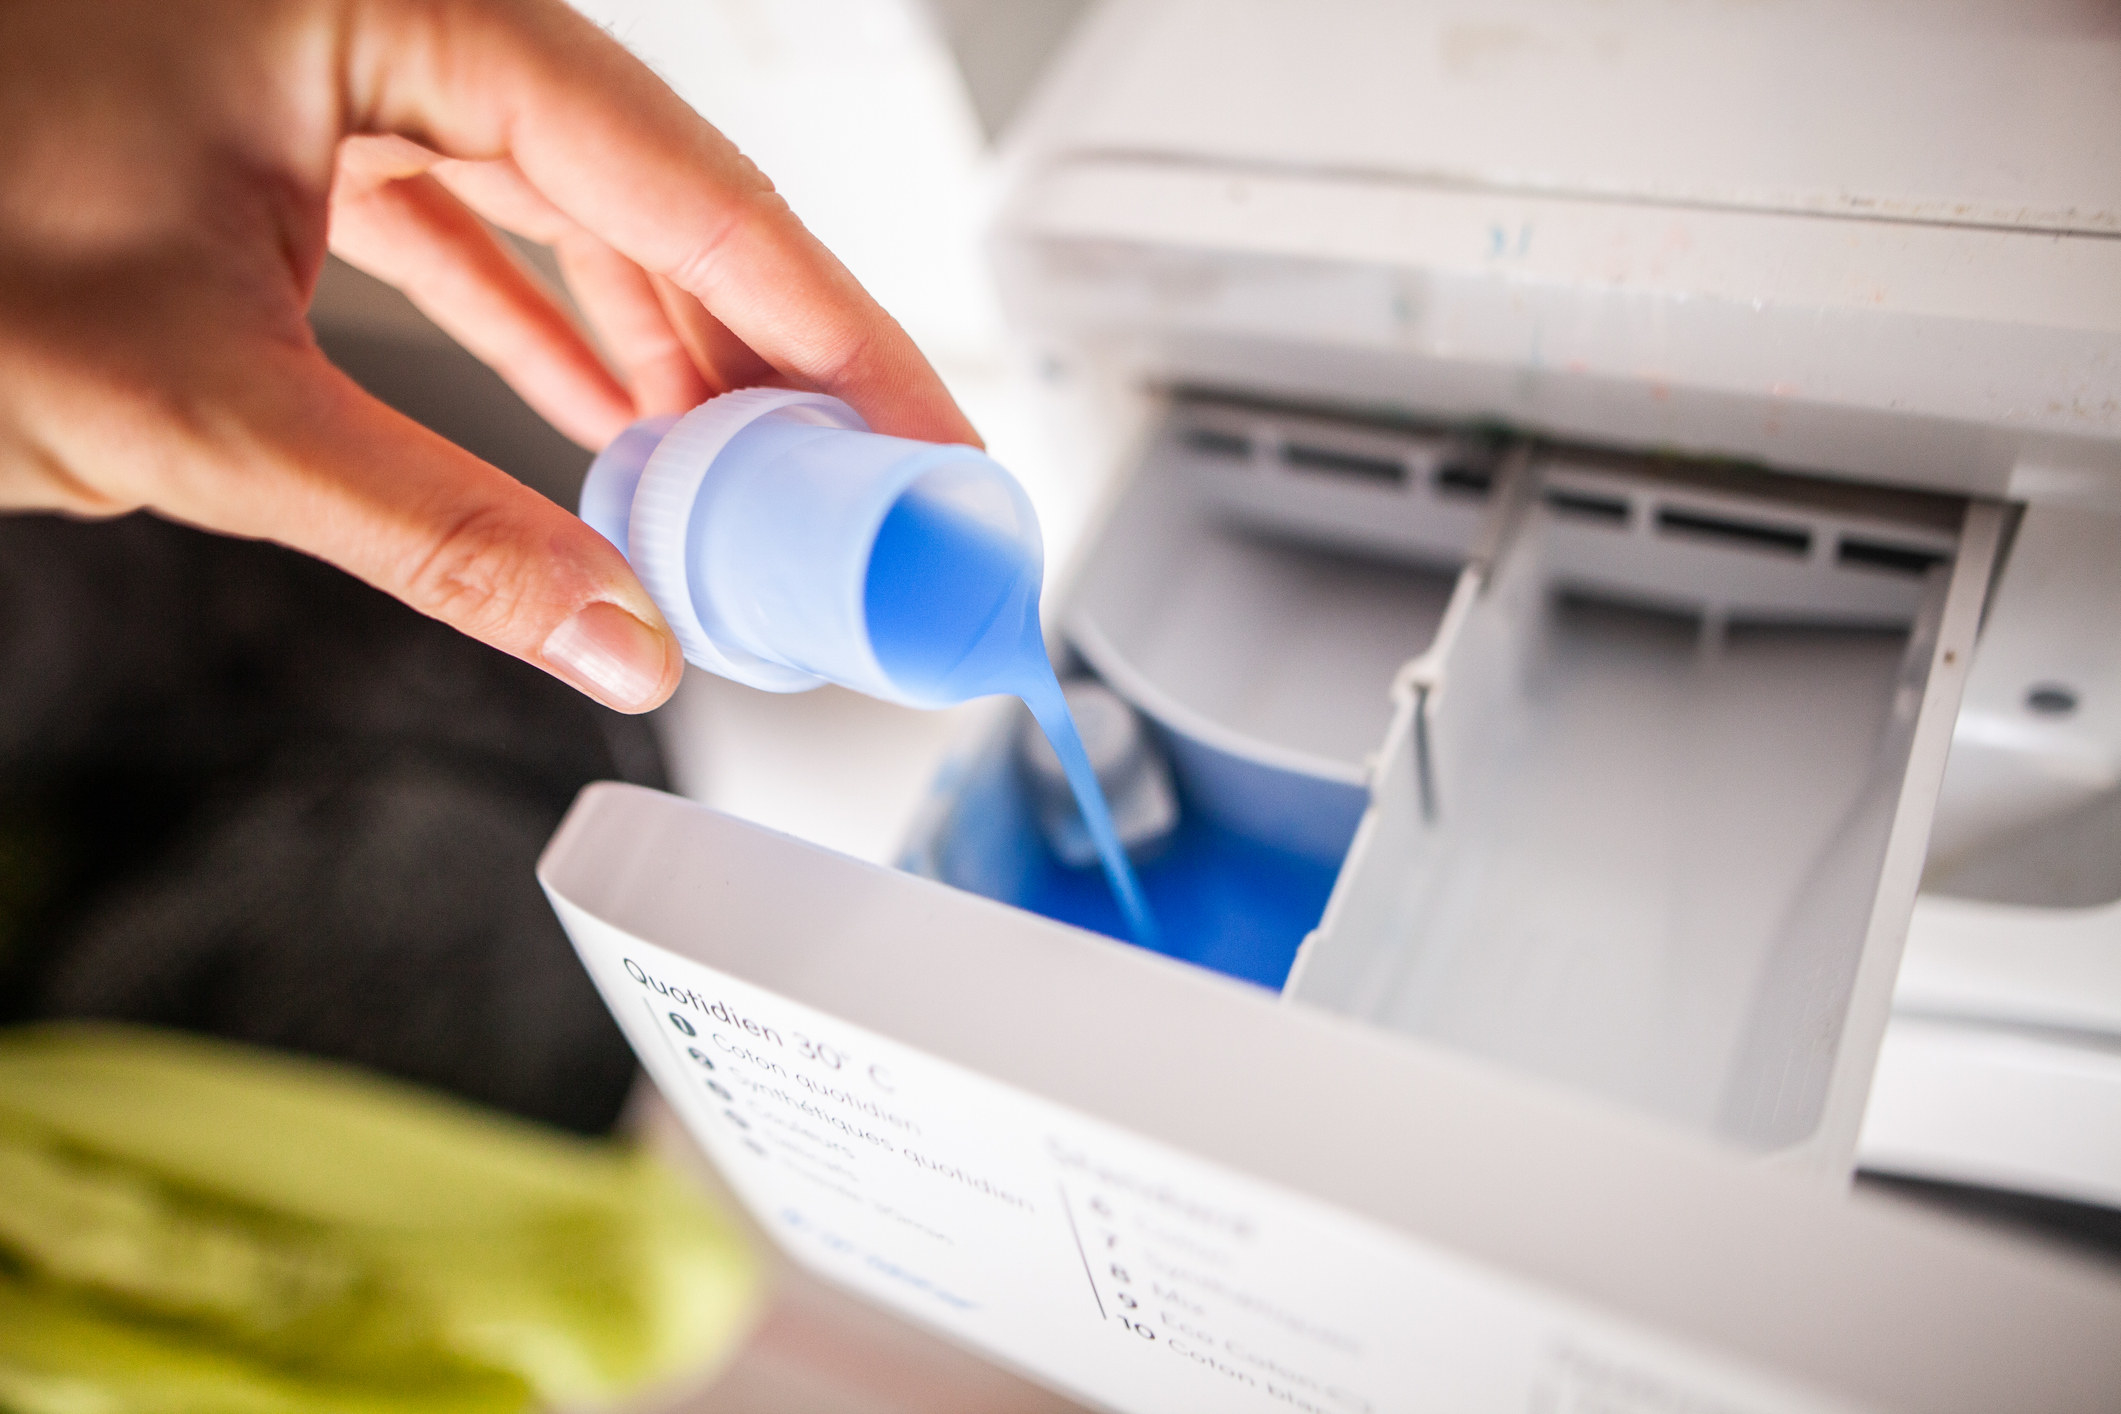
[244, 794]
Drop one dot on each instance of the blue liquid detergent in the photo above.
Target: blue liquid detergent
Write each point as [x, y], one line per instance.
[1225, 902]
[952, 613]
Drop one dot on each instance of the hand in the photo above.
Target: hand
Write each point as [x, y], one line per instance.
[171, 173]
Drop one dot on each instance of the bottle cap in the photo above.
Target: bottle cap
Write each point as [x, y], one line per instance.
[753, 521]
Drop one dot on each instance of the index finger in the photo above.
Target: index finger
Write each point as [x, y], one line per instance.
[607, 142]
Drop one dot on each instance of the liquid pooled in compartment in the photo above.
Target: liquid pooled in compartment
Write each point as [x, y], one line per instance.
[952, 612]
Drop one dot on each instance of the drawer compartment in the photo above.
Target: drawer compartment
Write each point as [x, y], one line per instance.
[1646, 821]
[1262, 662]
[1648, 825]
[1256, 610]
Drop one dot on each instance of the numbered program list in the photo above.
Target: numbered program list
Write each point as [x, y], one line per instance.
[1207, 1282]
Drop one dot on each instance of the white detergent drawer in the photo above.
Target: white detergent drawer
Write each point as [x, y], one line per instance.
[1651, 818]
[1603, 783]
[1163, 1192]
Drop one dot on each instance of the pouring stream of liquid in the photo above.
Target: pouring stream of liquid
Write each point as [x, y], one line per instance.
[952, 612]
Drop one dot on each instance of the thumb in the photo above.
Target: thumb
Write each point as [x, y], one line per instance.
[329, 470]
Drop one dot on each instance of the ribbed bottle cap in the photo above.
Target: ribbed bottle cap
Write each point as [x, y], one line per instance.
[657, 526]
[607, 491]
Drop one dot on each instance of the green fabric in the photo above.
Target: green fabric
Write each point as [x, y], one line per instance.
[189, 1225]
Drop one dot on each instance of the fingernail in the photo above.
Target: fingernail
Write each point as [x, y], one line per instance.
[609, 654]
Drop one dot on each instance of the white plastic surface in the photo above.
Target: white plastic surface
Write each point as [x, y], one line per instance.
[1713, 230]
[1657, 835]
[1268, 663]
[2003, 1061]
[1976, 113]
[2028, 1110]
[1999, 964]
[2031, 810]
[1039, 1141]
[1656, 857]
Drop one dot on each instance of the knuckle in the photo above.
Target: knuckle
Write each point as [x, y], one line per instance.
[849, 359]
[751, 216]
[474, 575]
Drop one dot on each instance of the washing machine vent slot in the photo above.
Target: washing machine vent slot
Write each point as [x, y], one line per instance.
[1589, 505]
[1878, 555]
[1759, 535]
[1210, 442]
[1459, 479]
[1309, 457]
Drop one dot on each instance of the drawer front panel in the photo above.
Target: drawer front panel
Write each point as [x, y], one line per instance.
[947, 1105]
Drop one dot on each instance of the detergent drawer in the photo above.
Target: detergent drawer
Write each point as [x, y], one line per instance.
[1158, 1189]
[1650, 822]
[1647, 817]
[1634, 764]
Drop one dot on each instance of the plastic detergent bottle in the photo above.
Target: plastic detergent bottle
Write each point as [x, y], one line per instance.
[790, 546]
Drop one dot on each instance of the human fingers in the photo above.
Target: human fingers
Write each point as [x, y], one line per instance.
[619, 298]
[304, 457]
[661, 320]
[610, 145]
[398, 223]
[615, 295]
[642, 316]
[725, 360]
